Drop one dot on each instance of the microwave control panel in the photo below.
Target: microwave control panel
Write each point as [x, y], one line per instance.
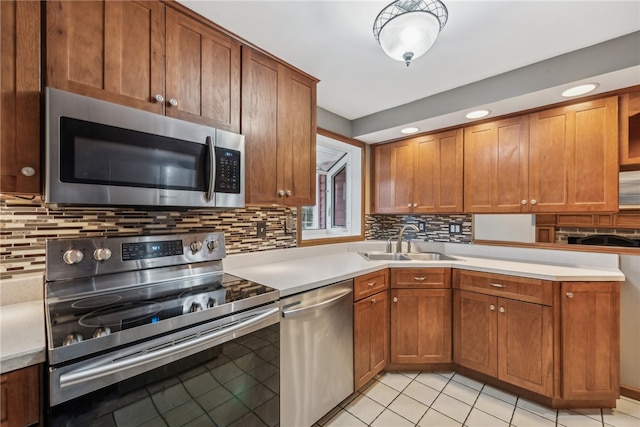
[228, 171]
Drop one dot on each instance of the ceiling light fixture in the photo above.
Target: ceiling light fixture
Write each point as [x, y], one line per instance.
[579, 90]
[410, 130]
[406, 29]
[477, 114]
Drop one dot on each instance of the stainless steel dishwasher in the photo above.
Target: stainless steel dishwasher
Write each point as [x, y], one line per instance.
[316, 353]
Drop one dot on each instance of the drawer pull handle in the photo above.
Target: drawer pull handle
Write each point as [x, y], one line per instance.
[497, 285]
[373, 300]
[371, 284]
[419, 279]
[395, 299]
[492, 307]
[569, 294]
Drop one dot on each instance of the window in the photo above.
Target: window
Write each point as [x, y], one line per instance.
[338, 213]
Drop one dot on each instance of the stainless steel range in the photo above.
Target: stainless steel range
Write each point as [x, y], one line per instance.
[131, 319]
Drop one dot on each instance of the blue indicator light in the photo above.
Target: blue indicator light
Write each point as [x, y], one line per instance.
[228, 154]
[155, 319]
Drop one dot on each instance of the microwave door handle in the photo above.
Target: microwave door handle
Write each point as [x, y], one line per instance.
[212, 169]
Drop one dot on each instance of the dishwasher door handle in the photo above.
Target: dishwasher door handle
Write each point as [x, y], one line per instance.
[321, 304]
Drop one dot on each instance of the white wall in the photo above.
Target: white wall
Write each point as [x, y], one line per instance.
[505, 227]
[630, 321]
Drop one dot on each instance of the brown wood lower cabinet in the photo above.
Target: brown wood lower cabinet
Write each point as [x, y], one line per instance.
[555, 340]
[20, 397]
[371, 327]
[420, 316]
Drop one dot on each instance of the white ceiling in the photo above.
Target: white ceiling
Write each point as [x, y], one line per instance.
[333, 41]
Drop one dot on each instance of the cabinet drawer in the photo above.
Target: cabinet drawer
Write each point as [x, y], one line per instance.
[369, 284]
[519, 288]
[421, 278]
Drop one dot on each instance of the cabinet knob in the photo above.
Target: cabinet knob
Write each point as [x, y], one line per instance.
[288, 193]
[492, 307]
[159, 98]
[569, 294]
[173, 102]
[408, 205]
[373, 300]
[280, 193]
[501, 310]
[28, 171]
[523, 202]
[415, 205]
[371, 284]
[395, 299]
[534, 201]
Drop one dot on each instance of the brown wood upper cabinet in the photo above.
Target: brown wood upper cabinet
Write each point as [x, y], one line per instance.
[557, 160]
[115, 51]
[419, 175]
[279, 125]
[630, 131]
[20, 101]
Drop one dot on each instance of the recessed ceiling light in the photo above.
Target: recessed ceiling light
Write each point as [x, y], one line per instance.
[477, 114]
[410, 130]
[579, 90]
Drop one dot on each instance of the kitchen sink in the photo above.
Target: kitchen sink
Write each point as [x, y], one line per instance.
[411, 256]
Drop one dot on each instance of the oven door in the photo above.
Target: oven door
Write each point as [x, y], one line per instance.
[222, 372]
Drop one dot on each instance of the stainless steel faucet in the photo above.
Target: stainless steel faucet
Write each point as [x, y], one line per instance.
[402, 230]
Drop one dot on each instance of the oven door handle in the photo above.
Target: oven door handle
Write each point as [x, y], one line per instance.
[212, 169]
[172, 352]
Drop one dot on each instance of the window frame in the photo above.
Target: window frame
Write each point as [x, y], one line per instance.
[336, 238]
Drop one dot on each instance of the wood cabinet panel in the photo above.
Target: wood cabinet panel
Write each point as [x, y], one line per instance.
[590, 340]
[525, 345]
[421, 278]
[496, 166]
[393, 165]
[108, 50]
[20, 101]
[369, 284]
[524, 289]
[573, 158]
[371, 337]
[629, 107]
[20, 397]
[420, 326]
[475, 331]
[203, 73]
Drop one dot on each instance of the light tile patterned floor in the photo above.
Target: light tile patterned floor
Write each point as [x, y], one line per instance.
[446, 399]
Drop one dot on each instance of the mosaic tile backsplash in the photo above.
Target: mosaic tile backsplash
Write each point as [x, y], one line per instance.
[26, 224]
[436, 227]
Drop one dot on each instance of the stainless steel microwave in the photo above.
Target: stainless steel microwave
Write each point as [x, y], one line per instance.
[104, 154]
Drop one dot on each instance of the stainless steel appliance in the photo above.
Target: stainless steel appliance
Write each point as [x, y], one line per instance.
[99, 153]
[629, 190]
[316, 352]
[151, 327]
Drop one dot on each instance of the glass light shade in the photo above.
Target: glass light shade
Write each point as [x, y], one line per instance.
[411, 129]
[580, 90]
[410, 35]
[477, 114]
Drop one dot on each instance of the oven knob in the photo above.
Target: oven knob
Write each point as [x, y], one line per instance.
[72, 338]
[212, 245]
[72, 256]
[211, 303]
[195, 246]
[102, 332]
[102, 254]
[195, 307]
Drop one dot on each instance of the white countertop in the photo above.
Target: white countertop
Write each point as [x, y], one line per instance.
[22, 336]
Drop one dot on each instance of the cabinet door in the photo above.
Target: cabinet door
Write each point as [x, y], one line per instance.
[203, 73]
[297, 138]
[437, 176]
[496, 166]
[420, 326]
[371, 337]
[393, 172]
[475, 331]
[590, 318]
[629, 129]
[525, 345]
[573, 164]
[108, 50]
[20, 101]
[20, 396]
[260, 126]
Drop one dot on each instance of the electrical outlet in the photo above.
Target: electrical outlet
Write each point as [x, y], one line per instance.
[455, 228]
[289, 225]
[261, 229]
[422, 226]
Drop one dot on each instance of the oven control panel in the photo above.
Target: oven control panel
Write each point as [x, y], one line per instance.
[72, 258]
